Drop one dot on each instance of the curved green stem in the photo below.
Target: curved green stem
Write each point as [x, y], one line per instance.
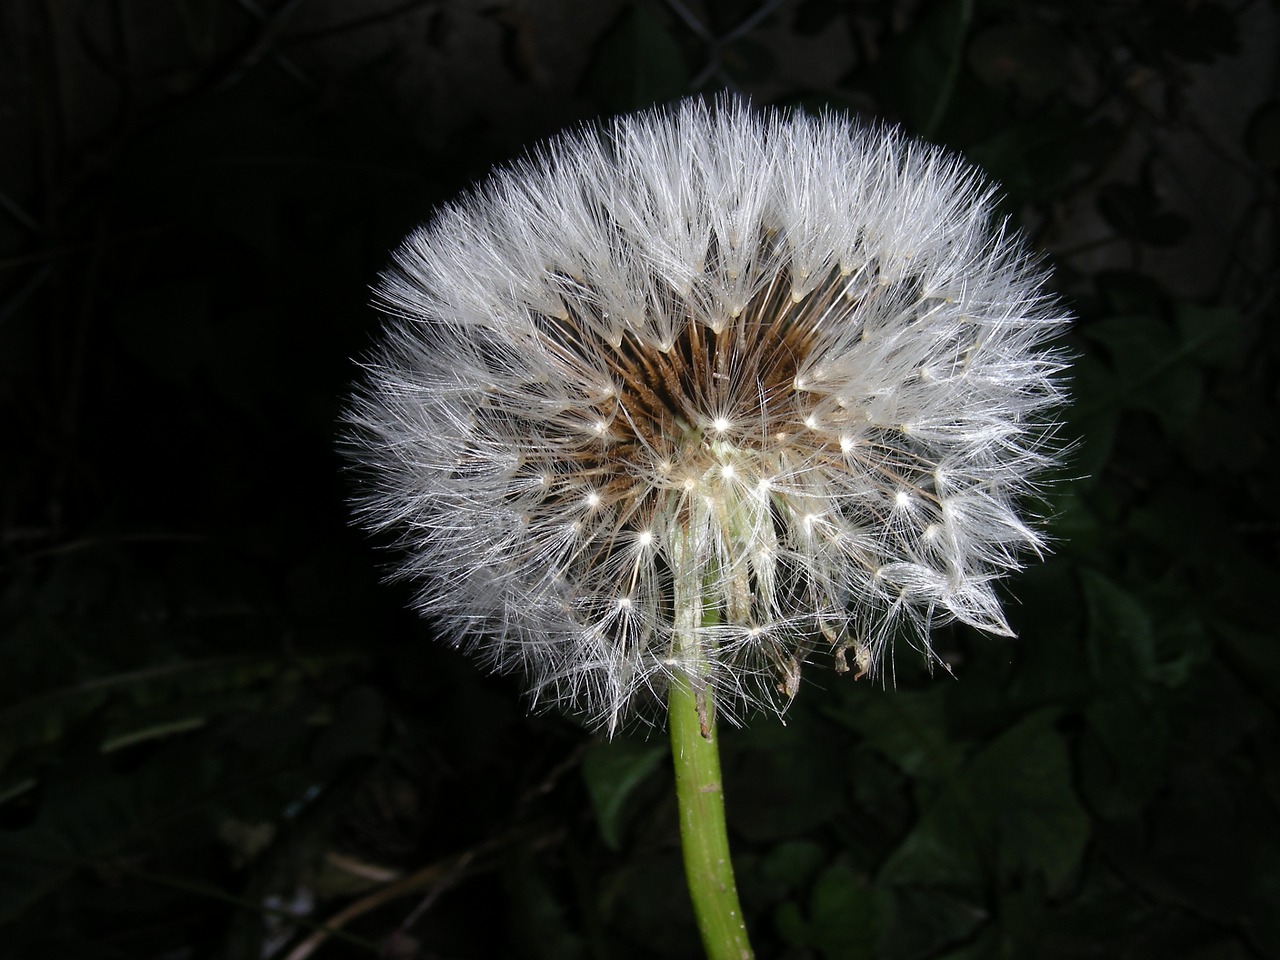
[708, 869]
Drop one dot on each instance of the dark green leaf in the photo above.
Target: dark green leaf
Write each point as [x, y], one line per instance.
[1132, 209]
[613, 770]
[1152, 368]
[908, 727]
[1012, 810]
[637, 63]
[1262, 138]
[843, 919]
[1121, 641]
[1025, 55]
[791, 864]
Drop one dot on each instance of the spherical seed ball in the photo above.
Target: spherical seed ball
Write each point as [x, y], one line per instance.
[778, 381]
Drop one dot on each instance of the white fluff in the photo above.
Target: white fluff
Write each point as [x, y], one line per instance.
[790, 358]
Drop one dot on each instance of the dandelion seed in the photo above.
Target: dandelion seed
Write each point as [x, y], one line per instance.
[694, 286]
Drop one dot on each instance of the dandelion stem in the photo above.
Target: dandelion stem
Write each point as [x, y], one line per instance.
[707, 866]
[695, 750]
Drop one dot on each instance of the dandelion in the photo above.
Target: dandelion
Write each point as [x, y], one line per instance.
[679, 400]
[779, 374]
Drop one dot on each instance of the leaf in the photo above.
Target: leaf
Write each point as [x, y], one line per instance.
[1013, 931]
[356, 729]
[637, 63]
[1257, 653]
[1130, 642]
[1128, 292]
[1051, 665]
[777, 790]
[1199, 32]
[843, 920]
[749, 61]
[1151, 368]
[539, 928]
[1124, 762]
[1012, 810]
[1033, 158]
[942, 850]
[613, 770]
[1093, 423]
[167, 328]
[1024, 779]
[1133, 210]
[1025, 54]
[1121, 640]
[814, 16]
[1262, 138]
[1216, 333]
[155, 695]
[907, 727]
[92, 815]
[790, 864]
[919, 921]
[921, 68]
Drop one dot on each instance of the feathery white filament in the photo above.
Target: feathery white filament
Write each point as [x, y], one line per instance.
[792, 352]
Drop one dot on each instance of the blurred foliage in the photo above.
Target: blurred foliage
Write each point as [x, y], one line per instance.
[219, 732]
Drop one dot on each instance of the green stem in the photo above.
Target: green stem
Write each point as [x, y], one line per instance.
[695, 750]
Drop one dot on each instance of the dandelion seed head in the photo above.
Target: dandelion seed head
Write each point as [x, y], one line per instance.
[792, 358]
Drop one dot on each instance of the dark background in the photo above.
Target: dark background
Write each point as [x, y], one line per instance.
[219, 729]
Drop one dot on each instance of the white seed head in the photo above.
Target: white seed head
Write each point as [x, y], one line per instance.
[744, 346]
